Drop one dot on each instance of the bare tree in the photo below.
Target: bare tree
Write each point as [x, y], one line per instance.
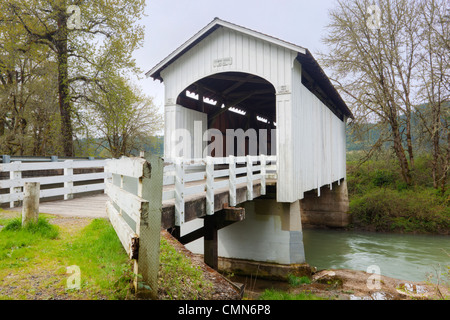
[434, 86]
[374, 57]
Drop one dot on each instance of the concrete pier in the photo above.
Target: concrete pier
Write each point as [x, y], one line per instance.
[330, 209]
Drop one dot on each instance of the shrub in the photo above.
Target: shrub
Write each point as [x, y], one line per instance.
[413, 210]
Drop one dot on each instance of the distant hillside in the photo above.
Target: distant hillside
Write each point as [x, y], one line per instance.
[95, 147]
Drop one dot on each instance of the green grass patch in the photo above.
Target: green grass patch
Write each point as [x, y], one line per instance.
[298, 281]
[178, 278]
[104, 265]
[271, 294]
[34, 261]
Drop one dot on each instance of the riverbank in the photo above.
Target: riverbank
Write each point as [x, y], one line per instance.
[344, 284]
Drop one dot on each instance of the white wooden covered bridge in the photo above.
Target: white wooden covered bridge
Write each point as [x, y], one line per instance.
[254, 148]
[228, 79]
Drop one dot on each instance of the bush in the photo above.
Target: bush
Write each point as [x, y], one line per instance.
[412, 210]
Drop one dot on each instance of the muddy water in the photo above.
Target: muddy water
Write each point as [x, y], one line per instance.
[400, 256]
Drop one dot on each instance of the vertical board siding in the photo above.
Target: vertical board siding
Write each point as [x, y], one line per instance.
[310, 138]
[250, 55]
[311, 142]
[179, 119]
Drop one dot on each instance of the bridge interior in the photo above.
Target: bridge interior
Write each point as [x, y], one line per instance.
[234, 100]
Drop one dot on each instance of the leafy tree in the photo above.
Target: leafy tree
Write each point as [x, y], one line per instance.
[82, 37]
[122, 117]
[27, 95]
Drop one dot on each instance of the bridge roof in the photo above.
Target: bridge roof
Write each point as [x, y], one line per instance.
[304, 56]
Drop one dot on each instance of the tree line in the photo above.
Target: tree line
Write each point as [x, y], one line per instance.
[390, 59]
[65, 76]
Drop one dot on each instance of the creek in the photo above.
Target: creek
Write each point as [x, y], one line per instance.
[401, 256]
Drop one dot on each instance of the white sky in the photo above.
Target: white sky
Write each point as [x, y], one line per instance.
[169, 23]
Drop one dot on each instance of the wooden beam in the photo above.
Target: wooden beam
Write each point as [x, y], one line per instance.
[211, 256]
[223, 218]
[235, 103]
[236, 78]
[237, 84]
[234, 214]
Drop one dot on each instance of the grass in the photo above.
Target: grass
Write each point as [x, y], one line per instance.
[271, 294]
[34, 261]
[297, 281]
[178, 278]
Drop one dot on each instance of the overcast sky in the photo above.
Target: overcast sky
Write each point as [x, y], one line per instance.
[169, 23]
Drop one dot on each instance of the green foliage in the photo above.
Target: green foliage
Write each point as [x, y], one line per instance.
[271, 294]
[179, 279]
[381, 200]
[297, 281]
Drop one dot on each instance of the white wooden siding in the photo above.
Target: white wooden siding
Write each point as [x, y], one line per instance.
[248, 54]
[181, 121]
[310, 139]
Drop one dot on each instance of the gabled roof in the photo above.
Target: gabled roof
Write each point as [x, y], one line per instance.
[304, 57]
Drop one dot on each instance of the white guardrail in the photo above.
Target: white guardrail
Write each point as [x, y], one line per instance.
[182, 178]
[16, 180]
[196, 176]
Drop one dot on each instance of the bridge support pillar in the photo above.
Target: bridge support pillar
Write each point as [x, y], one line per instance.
[268, 241]
[330, 209]
[210, 242]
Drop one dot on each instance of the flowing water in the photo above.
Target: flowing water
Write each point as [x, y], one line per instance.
[400, 256]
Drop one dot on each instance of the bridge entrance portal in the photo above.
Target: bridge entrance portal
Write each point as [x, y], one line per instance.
[234, 112]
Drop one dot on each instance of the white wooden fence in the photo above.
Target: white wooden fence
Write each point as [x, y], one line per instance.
[134, 187]
[16, 180]
[196, 176]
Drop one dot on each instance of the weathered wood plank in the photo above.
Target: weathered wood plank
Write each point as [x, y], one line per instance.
[55, 192]
[195, 206]
[27, 166]
[133, 205]
[126, 235]
[131, 167]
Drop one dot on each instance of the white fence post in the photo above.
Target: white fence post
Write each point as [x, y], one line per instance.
[68, 173]
[249, 178]
[263, 174]
[179, 191]
[232, 177]
[15, 175]
[209, 186]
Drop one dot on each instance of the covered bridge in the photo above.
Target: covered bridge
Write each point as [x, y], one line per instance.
[228, 79]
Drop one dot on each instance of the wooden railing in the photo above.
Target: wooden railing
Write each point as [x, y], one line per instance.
[196, 176]
[65, 176]
[134, 209]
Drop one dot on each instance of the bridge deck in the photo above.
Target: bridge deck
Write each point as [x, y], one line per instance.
[195, 205]
[84, 207]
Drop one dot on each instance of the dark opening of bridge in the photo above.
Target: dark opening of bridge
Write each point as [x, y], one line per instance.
[235, 100]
